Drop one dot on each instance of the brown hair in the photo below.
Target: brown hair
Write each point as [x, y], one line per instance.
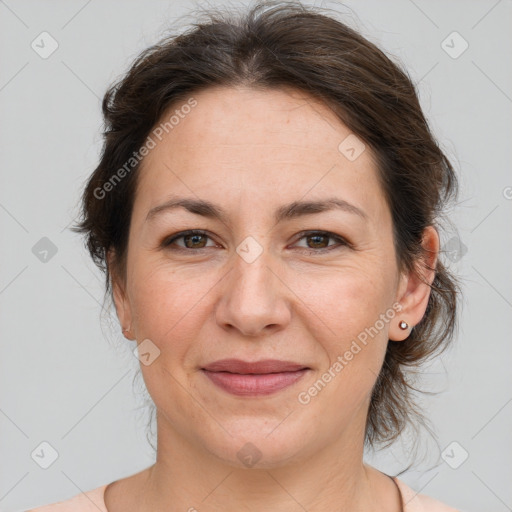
[286, 44]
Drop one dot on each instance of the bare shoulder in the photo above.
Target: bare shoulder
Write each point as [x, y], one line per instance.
[415, 502]
[124, 494]
[89, 501]
[112, 497]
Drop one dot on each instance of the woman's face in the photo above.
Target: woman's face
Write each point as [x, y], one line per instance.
[253, 286]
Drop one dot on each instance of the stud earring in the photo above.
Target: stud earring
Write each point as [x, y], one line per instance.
[403, 325]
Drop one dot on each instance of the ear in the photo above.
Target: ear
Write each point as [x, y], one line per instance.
[414, 287]
[123, 309]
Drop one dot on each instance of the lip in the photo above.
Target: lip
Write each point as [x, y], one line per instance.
[259, 367]
[245, 378]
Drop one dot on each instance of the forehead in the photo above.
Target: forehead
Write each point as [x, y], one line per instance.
[241, 116]
[278, 143]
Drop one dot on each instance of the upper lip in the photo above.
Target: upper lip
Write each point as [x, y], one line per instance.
[257, 367]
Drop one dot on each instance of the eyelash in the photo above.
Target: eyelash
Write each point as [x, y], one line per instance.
[304, 234]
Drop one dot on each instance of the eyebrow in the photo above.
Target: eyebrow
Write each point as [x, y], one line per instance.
[285, 212]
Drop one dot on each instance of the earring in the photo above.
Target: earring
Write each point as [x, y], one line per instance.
[403, 325]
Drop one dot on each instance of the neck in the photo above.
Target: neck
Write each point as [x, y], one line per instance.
[334, 478]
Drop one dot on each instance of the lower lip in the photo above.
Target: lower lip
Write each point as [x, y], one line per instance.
[254, 384]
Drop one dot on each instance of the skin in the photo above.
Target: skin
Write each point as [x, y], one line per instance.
[251, 152]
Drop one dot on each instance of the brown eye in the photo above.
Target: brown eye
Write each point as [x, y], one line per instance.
[192, 239]
[318, 241]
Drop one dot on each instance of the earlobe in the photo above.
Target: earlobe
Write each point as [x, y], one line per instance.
[123, 310]
[415, 287]
[120, 301]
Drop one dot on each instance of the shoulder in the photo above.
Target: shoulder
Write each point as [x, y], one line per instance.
[415, 502]
[90, 501]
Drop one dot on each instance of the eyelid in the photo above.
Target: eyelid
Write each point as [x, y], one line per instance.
[167, 241]
[342, 241]
[312, 232]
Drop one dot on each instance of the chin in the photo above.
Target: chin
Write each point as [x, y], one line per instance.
[260, 444]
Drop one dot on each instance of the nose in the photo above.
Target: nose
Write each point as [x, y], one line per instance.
[254, 299]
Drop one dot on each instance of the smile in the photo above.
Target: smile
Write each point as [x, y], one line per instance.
[243, 378]
[254, 384]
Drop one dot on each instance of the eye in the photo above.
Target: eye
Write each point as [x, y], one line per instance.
[192, 239]
[196, 239]
[320, 241]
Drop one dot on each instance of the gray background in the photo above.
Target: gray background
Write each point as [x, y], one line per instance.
[66, 372]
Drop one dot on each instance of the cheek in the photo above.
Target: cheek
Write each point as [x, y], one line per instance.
[173, 308]
[349, 314]
[170, 313]
[168, 308]
[345, 300]
[164, 291]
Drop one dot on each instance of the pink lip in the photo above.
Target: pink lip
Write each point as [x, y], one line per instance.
[244, 367]
[244, 378]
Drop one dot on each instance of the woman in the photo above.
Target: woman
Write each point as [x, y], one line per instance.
[265, 213]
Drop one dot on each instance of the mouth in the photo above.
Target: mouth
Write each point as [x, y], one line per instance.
[245, 378]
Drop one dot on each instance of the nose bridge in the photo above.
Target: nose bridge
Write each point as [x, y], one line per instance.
[254, 276]
[253, 300]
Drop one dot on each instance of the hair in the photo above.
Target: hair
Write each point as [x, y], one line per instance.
[286, 44]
